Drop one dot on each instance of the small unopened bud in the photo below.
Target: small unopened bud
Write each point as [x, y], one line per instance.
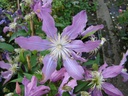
[18, 89]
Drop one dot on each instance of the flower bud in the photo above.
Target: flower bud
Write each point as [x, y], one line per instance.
[18, 89]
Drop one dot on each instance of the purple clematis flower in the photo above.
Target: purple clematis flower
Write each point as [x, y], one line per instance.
[98, 80]
[14, 26]
[67, 85]
[40, 7]
[10, 70]
[61, 45]
[31, 88]
[124, 73]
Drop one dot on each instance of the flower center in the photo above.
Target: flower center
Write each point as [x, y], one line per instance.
[97, 80]
[12, 25]
[58, 47]
[13, 68]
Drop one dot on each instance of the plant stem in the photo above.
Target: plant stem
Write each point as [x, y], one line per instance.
[32, 27]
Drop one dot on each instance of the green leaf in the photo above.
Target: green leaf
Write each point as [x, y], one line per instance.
[81, 85]
[33, 60]
[17, 80]
[16, 34]
[66, 94]
[91, 62]
[53, 89]
[59, 25]
[29, 76]
[43, 53]
[21, 55]
[34, 52]
[52, 86]
[7, 47]
[38, 76]
[88, 34]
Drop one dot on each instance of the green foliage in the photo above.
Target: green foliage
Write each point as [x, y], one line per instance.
[16, 34]
[82, 86]
[7, 47]
[8, 4]
[123, 18]
[65, 94]
[63, 10]
[95, 61]
[53, 89]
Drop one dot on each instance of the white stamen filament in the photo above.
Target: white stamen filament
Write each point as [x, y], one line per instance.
[14, 68]
[58, 47]
[97, 80]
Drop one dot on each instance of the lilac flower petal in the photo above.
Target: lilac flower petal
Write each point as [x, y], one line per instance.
[88, 74]
[6, 74]
[40, 90]
[6, 29]
[47, 6]
[78, 57]
[57, 75]
[49, 67]
[25, 81]
[91, 45]
[31, 85]
[124, 59]
[72, 83]
[91, 30]
[32, 43]
[77, 45]
[4, 65]
[96, 92]
[49, 25]
[78, 24]
[73, 68]
[8, 78]
[103, 67]
[112, 71]
[65, 80]
[111, 90]
[47, 1]
[39, 9]
[31, 88]
[125, 76]
[2, 21]
[8, 57]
